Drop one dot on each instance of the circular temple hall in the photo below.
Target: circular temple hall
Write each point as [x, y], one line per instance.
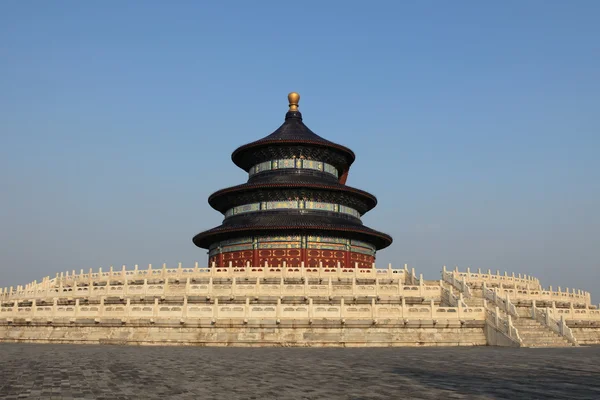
[295, 210]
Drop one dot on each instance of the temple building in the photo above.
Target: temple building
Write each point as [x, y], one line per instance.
[295, 210]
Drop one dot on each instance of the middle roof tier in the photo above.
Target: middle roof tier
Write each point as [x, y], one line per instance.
[303, 188]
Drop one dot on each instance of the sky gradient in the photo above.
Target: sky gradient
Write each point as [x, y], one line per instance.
[474, 123]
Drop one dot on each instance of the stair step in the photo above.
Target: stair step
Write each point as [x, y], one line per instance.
[547, 344]
[533, 329]
[537, 335]
[543, 340]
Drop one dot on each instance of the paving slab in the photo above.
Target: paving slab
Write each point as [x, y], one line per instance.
[47, 371]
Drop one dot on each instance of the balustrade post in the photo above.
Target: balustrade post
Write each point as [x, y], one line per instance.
[509, 320]
[54, 306]
[216, 309]
[233, 285]
[432, 306]
[547, 316]
[278, 309]
[533, 309]
[185, 306]
[329, 287]
[247, 308]
[497, 317]
[402, 309]
[373, 309]
[101, 307]
[128, 309]
[155, 308]
[311, 311]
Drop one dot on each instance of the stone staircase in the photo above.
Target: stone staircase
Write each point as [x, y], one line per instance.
[535, 334]
[531, 332]
[474, 302]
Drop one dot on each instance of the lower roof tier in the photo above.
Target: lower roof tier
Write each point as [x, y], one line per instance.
[286, 223]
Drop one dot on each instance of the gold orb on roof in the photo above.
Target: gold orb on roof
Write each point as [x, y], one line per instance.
[293, 99]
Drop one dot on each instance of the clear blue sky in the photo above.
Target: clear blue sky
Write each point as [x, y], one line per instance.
[476, 124]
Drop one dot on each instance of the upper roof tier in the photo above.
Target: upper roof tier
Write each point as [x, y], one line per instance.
[293, 139]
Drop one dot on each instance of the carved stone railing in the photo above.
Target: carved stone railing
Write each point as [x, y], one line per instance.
[575, 314]
[544, 317]
[503, 325]
[460, 285]
[495, 279]
[71, 279]
[565, 296]
[448, 297]
[182, 311]
[503, 304]
[240, 286]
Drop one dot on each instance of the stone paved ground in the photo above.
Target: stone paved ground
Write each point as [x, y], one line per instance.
[111, 372]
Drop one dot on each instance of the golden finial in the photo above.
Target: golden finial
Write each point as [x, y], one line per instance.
[293, 98]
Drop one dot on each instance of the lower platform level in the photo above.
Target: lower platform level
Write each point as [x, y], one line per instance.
[262, 335]
[292, 251]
